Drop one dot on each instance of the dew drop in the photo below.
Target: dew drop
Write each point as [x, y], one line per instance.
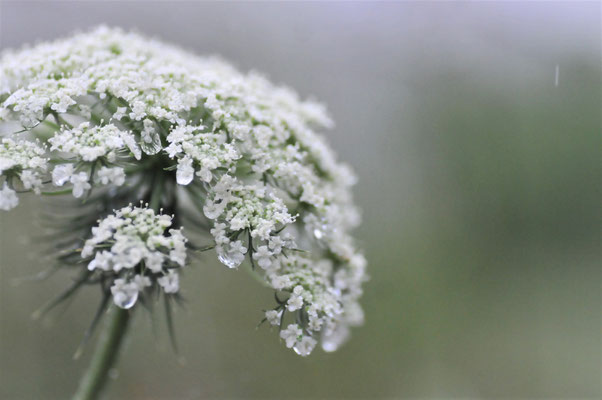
[332, 341]
[125, 299]
[298, 350]
[304, 347]
[227, 260]
[211, 212]
[151, 143]
[318, 233]
[329, 345]
[60, 181]
[183, 176]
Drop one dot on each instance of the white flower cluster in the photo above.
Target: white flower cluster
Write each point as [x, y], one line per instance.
[132, 245]
[324, 296]
[25, 161]
[92, 142]
[192, 147]
[247, 152]
[87, 144]
[236, 208]
[64, 173]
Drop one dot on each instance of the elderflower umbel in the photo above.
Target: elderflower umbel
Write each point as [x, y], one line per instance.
[141, 118]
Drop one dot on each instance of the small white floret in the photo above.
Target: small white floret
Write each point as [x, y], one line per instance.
[8, 198]
[291, 334]
[170, 282]
[61, 174]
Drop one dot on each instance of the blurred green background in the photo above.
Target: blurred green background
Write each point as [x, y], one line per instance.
[480, 188]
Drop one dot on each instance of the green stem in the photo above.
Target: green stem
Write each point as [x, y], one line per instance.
[104, 355]
[114, 331]
[107, 349]
[156, 193]
[58, 192]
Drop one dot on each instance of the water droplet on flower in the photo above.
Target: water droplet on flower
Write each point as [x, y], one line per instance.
[299, 350]
[184, 177]
[125, 299]
[329, 345]
[228, 260]
[332, 341]
[318, 233]
[212, 212]
[151, 143]
[305, 346]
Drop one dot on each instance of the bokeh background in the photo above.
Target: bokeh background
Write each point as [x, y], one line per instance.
[480, 186]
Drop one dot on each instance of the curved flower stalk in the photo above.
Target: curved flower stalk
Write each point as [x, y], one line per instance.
[112, 118]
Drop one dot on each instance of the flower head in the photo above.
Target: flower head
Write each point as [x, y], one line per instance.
[129, 118]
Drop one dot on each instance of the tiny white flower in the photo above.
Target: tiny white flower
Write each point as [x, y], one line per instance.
[8, 198]
[80, 184]
[178, 256]
[87, 250]
[85, 110]
[126, 255]
[131, 144]
[173, 149]
[205, 174]
[154, 261]
[291, 334]
[273, 316]
[124, 294]
[305, 346]
[31, 180]
[212, 211]
[185, 172]
[238, 223]
[148, 131]
[280, 282]
[6, 163]
[219, 233]
[102, 260]
[263, 257]
[61, 174]
[170, 282]
[141, 282]
[288, 241]
[114, 175]
[334, 339]
[263, 229]
[237, 252]
[119, 113]
[231, 254]
[275, 244]
[294, 302]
